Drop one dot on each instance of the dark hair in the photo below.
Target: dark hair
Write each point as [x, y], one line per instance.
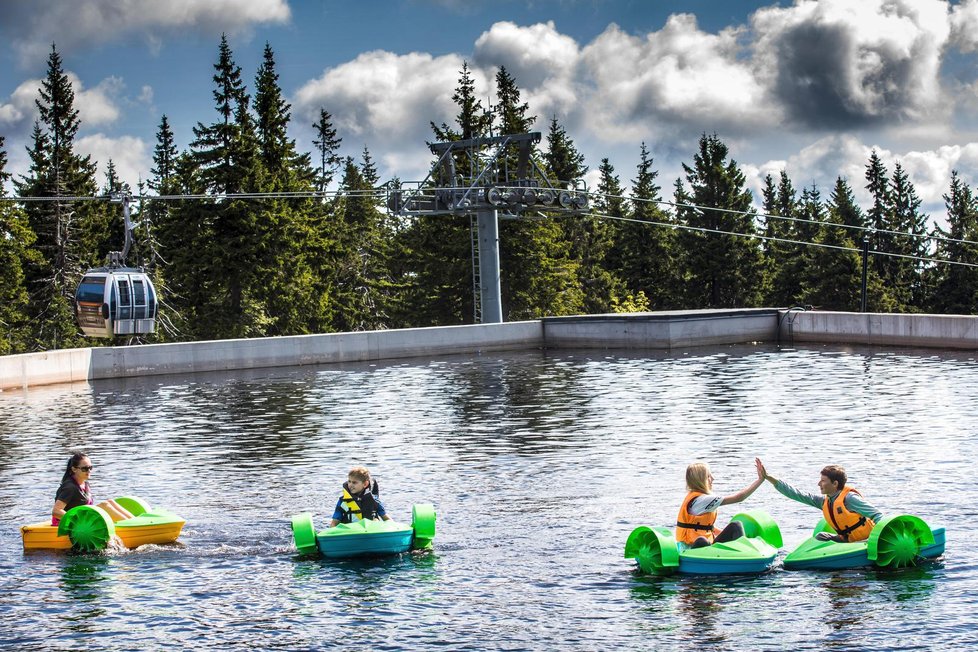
[835, 473]
[74, 461]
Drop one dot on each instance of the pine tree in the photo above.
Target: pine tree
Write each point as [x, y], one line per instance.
[327, 147]
[164, 235]
[906, 217]
[164, 155]
[68, 232]
[437, 251]
[286, 283]
[646, 253]
[361, 280]
[538, 276]
[723, 271]
[589, 237]
[834, 276]
[15, 253]
[878, 220]
[472, 121]
[228, 160]
[954, 288]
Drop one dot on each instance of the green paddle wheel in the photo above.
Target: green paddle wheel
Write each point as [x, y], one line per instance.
[654, 549]
[88, 527]
[896, 541]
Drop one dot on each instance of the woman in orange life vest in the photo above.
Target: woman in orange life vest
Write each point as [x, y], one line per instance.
[698, 513]
[842, 506]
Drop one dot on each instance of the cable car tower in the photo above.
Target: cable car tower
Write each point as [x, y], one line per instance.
[487, 178]
[115, 299]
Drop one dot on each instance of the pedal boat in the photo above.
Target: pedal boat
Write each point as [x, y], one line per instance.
[88, 528]
[365, 537]
[657, 553]
[895, 542]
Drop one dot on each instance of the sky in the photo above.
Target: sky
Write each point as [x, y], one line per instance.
[810, 86]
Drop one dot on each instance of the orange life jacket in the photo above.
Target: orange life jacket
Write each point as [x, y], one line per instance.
[690, 527]
[849, 525]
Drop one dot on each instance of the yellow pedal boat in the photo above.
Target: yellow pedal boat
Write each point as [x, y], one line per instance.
[89, 528]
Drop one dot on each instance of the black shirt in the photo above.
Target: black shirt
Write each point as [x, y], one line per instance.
[72, 495]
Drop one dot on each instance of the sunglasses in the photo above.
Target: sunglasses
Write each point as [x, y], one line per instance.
[85, 468]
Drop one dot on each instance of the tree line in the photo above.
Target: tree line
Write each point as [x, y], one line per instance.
[272, 257]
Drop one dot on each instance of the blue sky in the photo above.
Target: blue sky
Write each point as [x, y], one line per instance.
[810, 86]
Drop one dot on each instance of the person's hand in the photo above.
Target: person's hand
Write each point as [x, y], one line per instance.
[761, 471]
[826, 536]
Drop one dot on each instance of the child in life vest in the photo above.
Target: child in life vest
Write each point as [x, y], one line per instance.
[842, 506]
[359, 499]
[696, 523]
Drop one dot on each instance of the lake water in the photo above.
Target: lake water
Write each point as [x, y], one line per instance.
[538, 464]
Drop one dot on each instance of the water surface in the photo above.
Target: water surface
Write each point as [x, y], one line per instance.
[538, 464]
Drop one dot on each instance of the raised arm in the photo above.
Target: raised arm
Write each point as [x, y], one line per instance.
[787, 490]
[744, 493]
[762, 472]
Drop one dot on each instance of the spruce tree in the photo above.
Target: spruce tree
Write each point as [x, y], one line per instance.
[723, 270]
[954, 288]
[227, 156]
[286, 283]
[16, 239]
[589, 237]
[538, 276]
[69, 233]
[906, 280]
[327, 147]
[646, 253]
[361, 279]
[834, 276]
[437, 252]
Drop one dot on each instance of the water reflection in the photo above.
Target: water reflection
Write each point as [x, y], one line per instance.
[538, 465]
[845, 596]
[83, 581]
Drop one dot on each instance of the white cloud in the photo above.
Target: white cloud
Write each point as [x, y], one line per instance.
[678, 77]
[130, 155]
[20, 111]
[531, 54]
[33, 26]
[836, 63]
[831, 157]
[385, 101]
[964, 25]
[96, 106]
[145, 95]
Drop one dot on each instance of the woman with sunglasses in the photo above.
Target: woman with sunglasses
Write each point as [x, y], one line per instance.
[74, 491]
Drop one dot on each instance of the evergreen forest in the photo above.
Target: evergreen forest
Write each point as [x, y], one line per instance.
[248, 234]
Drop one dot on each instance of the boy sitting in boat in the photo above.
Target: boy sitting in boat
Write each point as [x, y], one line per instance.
[842, 506]
[358, 500]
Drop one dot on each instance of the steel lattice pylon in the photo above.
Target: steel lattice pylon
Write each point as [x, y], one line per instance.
[481, 177]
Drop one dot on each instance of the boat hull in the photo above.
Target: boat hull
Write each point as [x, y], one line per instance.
[147, 528]
[878, 550]
[364, 538]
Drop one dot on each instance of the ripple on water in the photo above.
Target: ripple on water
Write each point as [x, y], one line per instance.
[538, 464]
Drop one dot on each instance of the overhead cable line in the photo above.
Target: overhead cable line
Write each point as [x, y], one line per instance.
[383, 192]
[775, 239]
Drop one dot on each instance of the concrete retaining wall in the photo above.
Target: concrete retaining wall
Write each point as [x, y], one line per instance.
[662, 330]
[881, 329]
[71, 365]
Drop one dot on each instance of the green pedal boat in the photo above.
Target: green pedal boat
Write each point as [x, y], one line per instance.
[365, 537]
[657, 553]
[895, 542]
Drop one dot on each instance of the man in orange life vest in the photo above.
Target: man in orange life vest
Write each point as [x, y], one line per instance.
[842, 506]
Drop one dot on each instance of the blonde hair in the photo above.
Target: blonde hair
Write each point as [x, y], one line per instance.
[698, 477]
[359, 473]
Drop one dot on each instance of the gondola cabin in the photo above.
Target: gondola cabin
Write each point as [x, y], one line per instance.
[116, 301]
